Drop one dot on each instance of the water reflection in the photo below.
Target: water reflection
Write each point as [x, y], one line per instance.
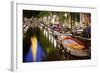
[40, 47]
[34, 49]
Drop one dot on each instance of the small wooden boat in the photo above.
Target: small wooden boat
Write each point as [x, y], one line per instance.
[74, 47]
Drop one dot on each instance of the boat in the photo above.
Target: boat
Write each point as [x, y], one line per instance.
[75, 47]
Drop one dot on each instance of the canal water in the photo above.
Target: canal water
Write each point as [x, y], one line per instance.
[46, 51]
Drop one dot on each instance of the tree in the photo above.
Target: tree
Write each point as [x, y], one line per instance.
[43, 14]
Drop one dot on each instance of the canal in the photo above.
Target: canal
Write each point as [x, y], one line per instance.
[37, 47]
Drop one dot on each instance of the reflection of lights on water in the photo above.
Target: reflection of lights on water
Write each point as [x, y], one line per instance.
[49, 37]
[52, 39]
[44, 31]
[55, 43]
[46, 34]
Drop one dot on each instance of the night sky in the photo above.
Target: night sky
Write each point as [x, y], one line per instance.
[30, 13]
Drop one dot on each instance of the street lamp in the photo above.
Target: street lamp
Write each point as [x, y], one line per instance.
[65, 18]
[65, 14]
[54, 16]
[53, 19]
[49, 17]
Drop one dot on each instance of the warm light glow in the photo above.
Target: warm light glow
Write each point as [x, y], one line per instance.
[65, 15]
[34, 46]
[54, 16]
